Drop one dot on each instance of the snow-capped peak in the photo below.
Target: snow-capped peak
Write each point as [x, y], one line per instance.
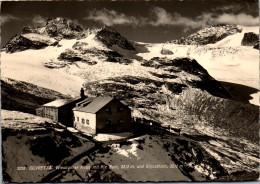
[209, 35]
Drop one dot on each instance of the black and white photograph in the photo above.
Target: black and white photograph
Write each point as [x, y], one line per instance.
[130, 91]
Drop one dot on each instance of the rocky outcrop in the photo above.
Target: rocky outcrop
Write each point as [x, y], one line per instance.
[29, 29]
[110, 37]
[256, 46]
[70, 55]
[81, 52]
[29, 41]
[250, 39]
[63, 28]
[166, 52]
[86, 55]
[57, 28]
[20, 43]
[192, 67]
[208, 35]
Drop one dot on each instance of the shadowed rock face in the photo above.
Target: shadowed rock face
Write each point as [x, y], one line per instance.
[62, 27]
[71, 55]
[256, 46]
[20, 43]
[250, 39]
[110, 36]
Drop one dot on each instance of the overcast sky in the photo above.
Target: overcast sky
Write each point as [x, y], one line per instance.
[143, 21]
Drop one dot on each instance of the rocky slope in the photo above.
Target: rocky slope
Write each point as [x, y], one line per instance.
[226, 60]
[110, 36]
[164, 85]
[27, 41]
[33, 146]
[15, 95]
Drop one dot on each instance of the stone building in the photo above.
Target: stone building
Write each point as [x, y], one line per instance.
[60, 110]
[102, 115]
[90, 115]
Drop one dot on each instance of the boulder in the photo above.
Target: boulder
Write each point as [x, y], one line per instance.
[28, 29]
[166, 52]
[250, 39]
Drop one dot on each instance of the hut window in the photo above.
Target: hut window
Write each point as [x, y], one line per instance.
[87, 121]
[108, 122]
[120, 109]
[83, 121]
[77, 118]
[108, 110]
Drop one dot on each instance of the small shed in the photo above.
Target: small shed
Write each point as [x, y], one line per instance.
[60, 110]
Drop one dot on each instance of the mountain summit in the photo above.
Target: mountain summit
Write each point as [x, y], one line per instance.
[57, 28]
[110, 36]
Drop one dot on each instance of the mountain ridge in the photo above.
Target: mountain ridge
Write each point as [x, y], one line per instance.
[61, 28]
[208, 35]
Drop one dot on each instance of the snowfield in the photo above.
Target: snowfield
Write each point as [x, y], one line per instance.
[114, 136]
[225, 60]
[28, 66]
[39, 38]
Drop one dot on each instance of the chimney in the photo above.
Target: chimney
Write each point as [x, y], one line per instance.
[82, 95]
